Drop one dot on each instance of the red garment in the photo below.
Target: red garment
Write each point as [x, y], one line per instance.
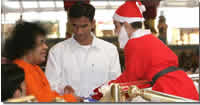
[145, 57]
[38, 85]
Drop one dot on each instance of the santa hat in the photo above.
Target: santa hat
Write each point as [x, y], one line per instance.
[130, 11]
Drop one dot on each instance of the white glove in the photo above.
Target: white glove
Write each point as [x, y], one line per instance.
[105, 89]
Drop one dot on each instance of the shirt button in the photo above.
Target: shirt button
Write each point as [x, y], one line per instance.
[92, 67]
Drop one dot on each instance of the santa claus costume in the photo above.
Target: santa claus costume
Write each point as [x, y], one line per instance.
[148, 58]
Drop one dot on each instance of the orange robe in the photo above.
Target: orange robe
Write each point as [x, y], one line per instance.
[38, 85]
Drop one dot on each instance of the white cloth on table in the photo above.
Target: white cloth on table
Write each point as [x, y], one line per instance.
[84, 69]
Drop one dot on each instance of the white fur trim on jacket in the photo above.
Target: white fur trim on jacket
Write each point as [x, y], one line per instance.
[139, 33]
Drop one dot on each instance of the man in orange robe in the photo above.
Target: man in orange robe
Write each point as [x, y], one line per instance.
[27, 48]
[38, 85]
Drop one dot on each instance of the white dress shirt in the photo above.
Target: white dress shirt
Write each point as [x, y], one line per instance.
[82, 67]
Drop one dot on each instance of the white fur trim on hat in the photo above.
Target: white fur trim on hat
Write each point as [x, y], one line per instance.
[127, 19]
[141, 7]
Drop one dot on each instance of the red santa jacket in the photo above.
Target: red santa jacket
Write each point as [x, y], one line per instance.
[145, 57]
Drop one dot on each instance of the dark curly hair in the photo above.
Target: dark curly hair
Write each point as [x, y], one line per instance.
[80, 9]
[23, 39]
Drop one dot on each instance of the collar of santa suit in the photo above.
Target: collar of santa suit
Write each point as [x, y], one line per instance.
[37, 83]
[140, 33]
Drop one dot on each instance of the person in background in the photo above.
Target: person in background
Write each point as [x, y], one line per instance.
[27, 49]
[12, 82]
[162, 27]
[83, 61]
[146, 57]
[2, 42]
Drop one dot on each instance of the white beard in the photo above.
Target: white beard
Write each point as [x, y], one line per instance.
[123, 37]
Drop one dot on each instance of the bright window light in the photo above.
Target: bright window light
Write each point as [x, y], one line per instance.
[29, 4]
[98, 3]
[46, 4]
[12, 4]
[177, 17]
[11, 18]
[59, 4]
[31, 16]
[104, 3]
[117, 3]
[179, 3]
[51, 16]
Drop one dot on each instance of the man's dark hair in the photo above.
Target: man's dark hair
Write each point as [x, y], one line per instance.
[80, 9]
[136, 25]
[23, 39]
[11, 78]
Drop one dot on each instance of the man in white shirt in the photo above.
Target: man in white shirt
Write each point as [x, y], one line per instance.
[82, 62]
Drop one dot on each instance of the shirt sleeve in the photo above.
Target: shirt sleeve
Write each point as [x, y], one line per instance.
[115, 69]
[53, 72]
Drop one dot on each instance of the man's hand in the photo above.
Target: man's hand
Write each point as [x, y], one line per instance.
[69, 90]
[79, 99]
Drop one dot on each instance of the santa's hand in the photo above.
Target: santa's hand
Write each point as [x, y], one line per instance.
[105, 89]
[101, 91]
[97, 95]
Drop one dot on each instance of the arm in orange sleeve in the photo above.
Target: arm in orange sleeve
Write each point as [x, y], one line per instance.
[70, 98]
[38, 85]
[66, 97]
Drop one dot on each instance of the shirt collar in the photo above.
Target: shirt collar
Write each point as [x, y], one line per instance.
[139, 33]
[75, 45]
